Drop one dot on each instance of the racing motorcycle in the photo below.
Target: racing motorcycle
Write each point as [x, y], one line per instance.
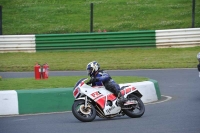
[97, 101]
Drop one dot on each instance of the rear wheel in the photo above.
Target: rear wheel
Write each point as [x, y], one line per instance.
[83, 114]
[134, 110]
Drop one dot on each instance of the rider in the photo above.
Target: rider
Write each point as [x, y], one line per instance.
[198, 66]
[100, 78]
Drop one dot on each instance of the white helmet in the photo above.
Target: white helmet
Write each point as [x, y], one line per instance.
[92, 68]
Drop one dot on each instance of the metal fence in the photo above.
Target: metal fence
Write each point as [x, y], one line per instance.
[17, 43]
[95, 40]
[178, 38]
[50, 42]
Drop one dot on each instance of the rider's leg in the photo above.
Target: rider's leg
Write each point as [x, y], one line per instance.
[115, 89]
[112, 88]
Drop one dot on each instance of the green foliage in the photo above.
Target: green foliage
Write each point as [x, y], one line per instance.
[55, 82]
[71, 16]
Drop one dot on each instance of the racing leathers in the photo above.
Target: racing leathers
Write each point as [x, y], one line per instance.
[103, 78]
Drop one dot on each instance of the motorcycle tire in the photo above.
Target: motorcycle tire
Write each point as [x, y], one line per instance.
[84, 115]
[140, 106]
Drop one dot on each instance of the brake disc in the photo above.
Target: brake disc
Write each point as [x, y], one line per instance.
[84, 110]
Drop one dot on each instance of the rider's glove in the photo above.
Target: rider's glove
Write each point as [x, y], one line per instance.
[94, 79]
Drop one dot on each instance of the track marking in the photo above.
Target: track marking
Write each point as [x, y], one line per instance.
[165, 100]
[21, 120]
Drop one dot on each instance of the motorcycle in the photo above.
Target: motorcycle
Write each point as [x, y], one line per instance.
[97, 101]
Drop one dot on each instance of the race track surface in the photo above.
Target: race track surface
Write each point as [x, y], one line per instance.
[181, 114]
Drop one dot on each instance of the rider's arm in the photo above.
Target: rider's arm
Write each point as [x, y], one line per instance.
[103, 77]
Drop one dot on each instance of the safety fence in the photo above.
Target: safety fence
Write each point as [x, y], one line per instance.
[178, 38]
[95, 40]
[17, 43]
[189, 37]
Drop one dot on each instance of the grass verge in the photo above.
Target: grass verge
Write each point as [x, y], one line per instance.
[129, 58]
[55, 82]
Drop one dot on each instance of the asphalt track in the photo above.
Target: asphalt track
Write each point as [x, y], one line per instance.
[181, 114]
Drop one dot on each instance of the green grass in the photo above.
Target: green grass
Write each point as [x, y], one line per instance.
[55, 82]
[130, 58]
[71, 16]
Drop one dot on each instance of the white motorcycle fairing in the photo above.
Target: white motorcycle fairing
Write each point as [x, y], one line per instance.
[106, 100]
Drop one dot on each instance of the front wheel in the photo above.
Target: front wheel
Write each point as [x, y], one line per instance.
[83, 114]
[134, 110]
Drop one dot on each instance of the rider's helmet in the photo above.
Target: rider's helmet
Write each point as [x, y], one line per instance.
[92, 68]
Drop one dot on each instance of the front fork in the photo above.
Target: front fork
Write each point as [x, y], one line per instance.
[86, 102]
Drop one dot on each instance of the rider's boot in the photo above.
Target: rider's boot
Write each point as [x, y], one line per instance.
[121, 100]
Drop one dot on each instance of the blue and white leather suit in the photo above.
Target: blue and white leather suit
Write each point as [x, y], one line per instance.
[103, 78]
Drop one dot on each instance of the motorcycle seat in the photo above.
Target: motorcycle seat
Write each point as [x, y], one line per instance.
[123, 87]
